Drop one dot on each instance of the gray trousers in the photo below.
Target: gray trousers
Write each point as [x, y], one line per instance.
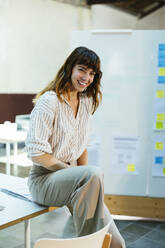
[81, 189]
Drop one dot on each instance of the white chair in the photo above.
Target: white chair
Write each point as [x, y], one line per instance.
[99, 239]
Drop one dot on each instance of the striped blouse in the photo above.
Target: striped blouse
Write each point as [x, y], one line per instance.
[55, 130]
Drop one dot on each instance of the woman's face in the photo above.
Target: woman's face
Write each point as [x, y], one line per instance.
[81, 77]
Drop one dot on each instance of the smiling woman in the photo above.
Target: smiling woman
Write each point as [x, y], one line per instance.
[82, 77]
[81, 59]
[57, 141]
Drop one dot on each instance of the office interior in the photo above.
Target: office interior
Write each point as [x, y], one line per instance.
[36, 37]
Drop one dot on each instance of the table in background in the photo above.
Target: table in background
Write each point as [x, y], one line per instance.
[13, 138]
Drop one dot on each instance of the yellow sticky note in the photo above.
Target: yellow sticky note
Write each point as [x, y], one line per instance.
[161, 71]
[164, 171]
[159, 146]
[160, 93]
[159, 125]
[131, 167]
[160, 117]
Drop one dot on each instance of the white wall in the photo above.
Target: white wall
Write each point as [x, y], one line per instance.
[34, 41]
[35, 37]
[106, 17]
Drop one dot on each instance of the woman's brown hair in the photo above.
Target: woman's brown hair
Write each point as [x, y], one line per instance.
[62, 82]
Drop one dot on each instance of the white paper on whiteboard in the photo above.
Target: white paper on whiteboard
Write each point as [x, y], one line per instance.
[125, 155]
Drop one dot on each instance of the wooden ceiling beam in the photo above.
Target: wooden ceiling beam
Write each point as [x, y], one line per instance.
[145, 13]
[137, 8]
[90, 2]
[123, 5]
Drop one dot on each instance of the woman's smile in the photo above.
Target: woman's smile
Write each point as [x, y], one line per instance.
[82, 84]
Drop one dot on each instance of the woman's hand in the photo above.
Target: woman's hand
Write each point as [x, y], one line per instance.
[50, 162]
[83, 159]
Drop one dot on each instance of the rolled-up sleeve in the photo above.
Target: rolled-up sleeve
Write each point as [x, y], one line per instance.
[38, 139]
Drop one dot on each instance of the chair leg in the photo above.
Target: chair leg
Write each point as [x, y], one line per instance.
[107, 241]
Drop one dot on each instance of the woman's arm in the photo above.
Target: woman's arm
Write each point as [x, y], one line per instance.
[83, 159]
[49, 162]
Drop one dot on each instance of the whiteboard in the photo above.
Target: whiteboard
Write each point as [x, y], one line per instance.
[129, 66]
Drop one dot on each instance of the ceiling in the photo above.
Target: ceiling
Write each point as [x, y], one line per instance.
[139, 8]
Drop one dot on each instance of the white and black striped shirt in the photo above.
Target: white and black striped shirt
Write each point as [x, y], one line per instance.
[55, 130]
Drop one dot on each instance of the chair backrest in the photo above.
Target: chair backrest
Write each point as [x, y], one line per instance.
[94, 240]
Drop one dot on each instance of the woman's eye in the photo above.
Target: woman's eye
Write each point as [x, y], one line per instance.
[80, 69]
[93, 74]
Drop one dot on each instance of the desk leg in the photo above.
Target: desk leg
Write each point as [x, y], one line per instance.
[27, 233]
[8, 158]
[15, 158]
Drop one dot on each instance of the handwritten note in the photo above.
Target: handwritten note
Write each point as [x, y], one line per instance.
[158, 160]
[161, 71]
[159, 125]
[160, 117]
[131, 167]
[160, 93]
[159, 146]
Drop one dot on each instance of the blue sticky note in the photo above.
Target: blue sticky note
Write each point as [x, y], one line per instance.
[161, 63]
[161, 55]
[161, 79]
[158, 160]
[161, 47]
